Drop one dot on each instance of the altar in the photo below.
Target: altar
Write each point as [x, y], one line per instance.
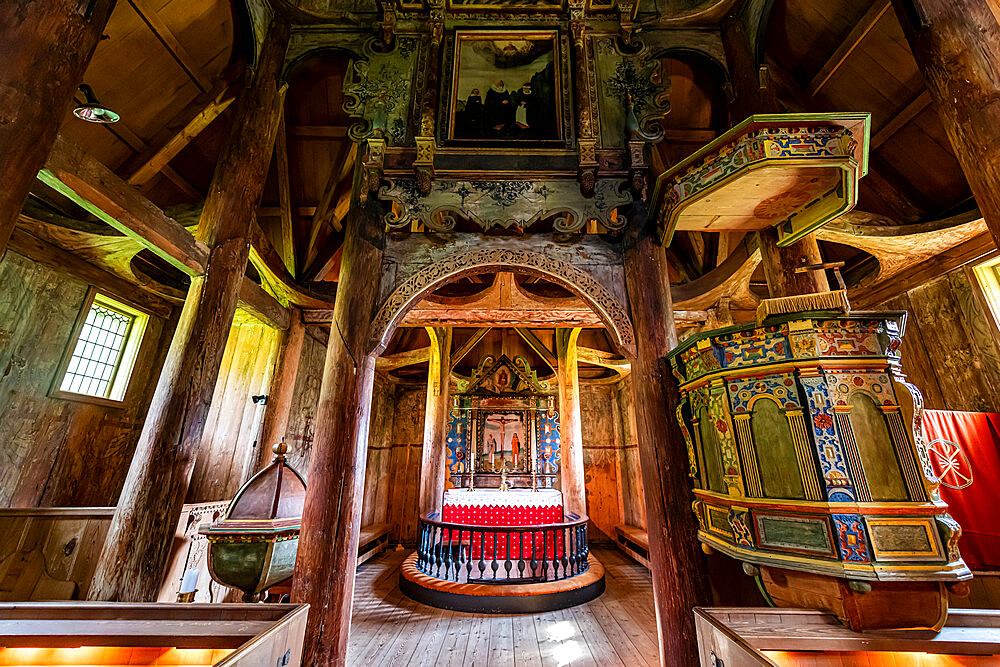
[506, 509]
[492, 507]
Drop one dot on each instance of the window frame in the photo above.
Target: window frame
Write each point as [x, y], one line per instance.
[985, 279]
[121, 382]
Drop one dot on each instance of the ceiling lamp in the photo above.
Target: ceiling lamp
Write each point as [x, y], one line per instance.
[92, 110]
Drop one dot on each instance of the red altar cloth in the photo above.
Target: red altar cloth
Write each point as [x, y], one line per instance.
[489, 507]
[975, 465]
[502, 515]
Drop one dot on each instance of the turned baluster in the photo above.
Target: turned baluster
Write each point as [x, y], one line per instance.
[507, 564]
[482, 553]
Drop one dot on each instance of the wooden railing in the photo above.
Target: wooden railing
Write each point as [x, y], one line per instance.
[502, 554]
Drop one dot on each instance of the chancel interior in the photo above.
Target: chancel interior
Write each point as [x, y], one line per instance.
[503, 332]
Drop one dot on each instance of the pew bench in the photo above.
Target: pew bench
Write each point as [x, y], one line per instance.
[372, 541]
[634, 541]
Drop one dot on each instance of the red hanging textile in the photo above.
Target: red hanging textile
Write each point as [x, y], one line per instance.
[964, 448]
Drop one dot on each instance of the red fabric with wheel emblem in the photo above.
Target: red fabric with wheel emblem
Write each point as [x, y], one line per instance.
[964, 449]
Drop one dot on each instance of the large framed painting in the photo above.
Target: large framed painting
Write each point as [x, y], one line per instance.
[503, 437]
[506, 88]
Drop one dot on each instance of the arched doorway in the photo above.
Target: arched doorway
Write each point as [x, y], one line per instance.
[425, 280]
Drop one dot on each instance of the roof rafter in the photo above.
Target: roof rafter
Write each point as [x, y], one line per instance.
[851, 42]
[193, 119]
[170, 42]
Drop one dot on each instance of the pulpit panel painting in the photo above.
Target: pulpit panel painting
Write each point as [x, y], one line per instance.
[504, 434]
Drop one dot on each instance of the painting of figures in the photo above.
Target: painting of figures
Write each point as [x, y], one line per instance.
[506, 87]
[504, 440]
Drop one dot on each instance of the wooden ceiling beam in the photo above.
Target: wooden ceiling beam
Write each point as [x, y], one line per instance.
[272, 270]
[323, 209]
[538, 346]
[195, 118]
[52, 256]
[850, 43]
[285, 197]
[93, 186]
[297, 211]
[89, 183]
[256, 301]
[468, 346]
[482, 317]
[170, 42]
[897, 122]
[976, 248]
[391, 362]
[124, 134]
[899, 184]
[318, 131]
[589, 355]
[326, 259]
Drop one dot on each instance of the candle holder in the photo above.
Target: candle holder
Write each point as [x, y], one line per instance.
[187, 597]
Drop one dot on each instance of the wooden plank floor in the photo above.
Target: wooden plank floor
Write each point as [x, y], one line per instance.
[618, 628]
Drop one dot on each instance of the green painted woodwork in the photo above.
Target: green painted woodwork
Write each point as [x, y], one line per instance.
[239, 564]
[904, 538]
[777, 464]
[878, 458]
[710, 450]
[795, 533]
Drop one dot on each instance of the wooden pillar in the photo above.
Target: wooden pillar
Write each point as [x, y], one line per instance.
[138, 541]
[45, 47]
[754, 94]
[677, 564]
[279, 399]
[571, 473]
[780, 263]
[956, 44]
[436, 419]
[331, 519]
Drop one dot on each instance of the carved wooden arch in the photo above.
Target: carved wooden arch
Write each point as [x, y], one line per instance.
[426, 280]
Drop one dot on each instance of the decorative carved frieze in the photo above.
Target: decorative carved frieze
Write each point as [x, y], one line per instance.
[504, 203]
[600, 298]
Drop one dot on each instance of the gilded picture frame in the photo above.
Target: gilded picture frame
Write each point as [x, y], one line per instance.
[506, 88]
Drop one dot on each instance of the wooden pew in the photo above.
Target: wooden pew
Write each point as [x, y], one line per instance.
[372, 541]
[634, 541]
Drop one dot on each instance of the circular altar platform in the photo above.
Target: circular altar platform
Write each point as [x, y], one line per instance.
[502, 598]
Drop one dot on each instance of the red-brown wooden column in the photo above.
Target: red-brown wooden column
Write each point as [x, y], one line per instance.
[780, 263]
[45, 46]
[138, 541]
[436, 419]
[956, 43]
[331, 519]
[279, 399]
[571, 474]
[755, 95]
[678, 567]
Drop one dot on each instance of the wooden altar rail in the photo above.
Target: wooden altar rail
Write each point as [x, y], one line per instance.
[502, 554]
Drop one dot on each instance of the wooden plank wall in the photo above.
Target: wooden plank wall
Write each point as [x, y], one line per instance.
[55, 451]
[950, 350]
[633, 501]
[50, 553]
[229, 444]
[377, 479]
[302, 416]
[405, 442]
[602, 461]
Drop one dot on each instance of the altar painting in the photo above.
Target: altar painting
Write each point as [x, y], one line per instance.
[504, 437]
